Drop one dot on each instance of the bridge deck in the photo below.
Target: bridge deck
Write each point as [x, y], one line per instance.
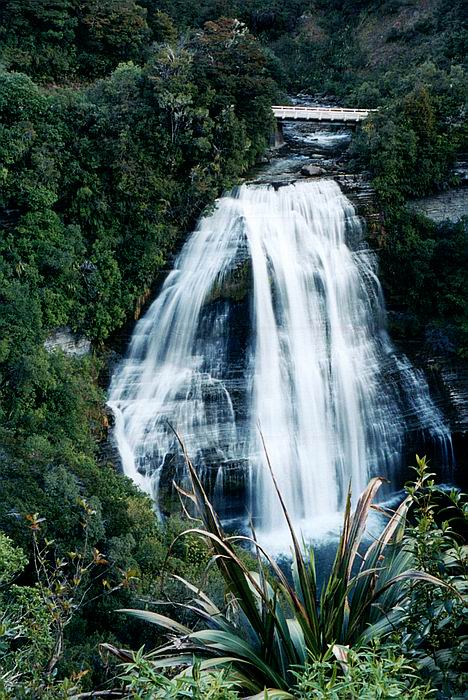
[321, 114]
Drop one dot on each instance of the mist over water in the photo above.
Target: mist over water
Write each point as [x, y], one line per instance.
[299, 351]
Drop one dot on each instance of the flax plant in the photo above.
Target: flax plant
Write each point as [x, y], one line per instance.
[283, 624]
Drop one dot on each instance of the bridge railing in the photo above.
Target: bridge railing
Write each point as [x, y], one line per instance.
[322, 109]
[321, 113]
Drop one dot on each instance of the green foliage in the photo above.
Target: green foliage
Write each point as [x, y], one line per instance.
[417, 255]
[281, 624]
[362, 49]
[367, 674]
[405, 148]
[27, 635]
[144, 682]
[409, 147]
[99, 180]
[34, 619]
[233, 63]
[26, 640]
[435, 637]
[12, 559]
[62, 40]
[374, 672]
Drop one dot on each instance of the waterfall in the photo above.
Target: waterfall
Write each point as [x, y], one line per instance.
[271, 321]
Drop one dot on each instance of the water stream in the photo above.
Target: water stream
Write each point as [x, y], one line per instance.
[272, 320]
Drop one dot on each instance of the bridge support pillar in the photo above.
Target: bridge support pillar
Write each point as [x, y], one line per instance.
[277, 137]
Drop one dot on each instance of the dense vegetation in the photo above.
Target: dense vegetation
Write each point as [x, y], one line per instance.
[410, 149]
[99, 180]
[120, 121]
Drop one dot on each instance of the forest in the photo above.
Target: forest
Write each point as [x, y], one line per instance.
[121, 122]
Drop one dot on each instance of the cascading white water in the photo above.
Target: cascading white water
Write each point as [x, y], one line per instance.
[317, 367]
[315, 372]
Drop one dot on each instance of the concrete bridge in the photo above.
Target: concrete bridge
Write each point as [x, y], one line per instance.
[322, 115]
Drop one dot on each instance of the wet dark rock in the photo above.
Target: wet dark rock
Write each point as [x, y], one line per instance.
[88, 267]
[312, 171]
[452, 375]
[108, 451]
[235, 285]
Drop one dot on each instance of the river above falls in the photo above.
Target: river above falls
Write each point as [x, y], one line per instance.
[304, 145]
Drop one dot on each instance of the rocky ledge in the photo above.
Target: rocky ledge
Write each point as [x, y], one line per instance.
[446, 206]
[68, 342]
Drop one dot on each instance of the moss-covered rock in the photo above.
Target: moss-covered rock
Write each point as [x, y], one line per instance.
[235, 285]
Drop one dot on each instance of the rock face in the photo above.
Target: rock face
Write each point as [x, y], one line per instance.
[446, 206]
[452, 378]
[312, 171]
[67, 341]
[449, 381]
[108, 450]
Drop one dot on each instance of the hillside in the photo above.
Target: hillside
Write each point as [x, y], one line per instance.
[121, 122]
[339, 47]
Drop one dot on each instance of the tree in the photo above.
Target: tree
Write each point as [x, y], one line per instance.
[110, 31]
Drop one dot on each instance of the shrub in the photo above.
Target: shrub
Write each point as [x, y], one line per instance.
[279, 625]
[434, 635]
[368, 674]
[144, 682]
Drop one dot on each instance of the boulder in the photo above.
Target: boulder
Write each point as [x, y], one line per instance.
[312, 171]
